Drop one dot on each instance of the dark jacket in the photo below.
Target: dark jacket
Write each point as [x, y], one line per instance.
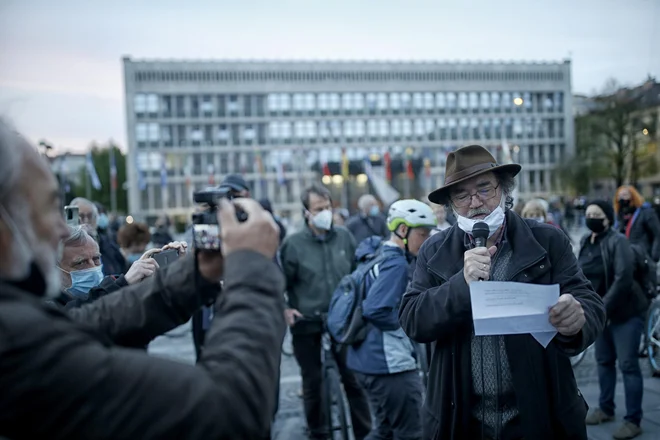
[108, 285]
[624, 297]
[436, 309]
[161, 237]
[645, 230]
[362, 227]
[70, 368]
[313, 267]
[114, 262]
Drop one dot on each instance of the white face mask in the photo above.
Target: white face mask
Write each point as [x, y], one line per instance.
[540, 219]
[323, 220]
[494, 220]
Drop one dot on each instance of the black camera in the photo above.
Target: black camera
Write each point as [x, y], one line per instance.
[206, 230]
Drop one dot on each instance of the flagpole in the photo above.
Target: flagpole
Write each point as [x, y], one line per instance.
[113, 181]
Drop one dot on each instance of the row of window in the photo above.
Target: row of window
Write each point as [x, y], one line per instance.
[286, 104]
[349, 76]
[179, 194]
[299, 160]
[352, 130]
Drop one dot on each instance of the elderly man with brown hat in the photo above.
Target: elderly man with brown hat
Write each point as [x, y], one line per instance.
[504, 387]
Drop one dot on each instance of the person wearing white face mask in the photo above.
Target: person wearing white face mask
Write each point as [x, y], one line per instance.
[314, 260]
[500, 386]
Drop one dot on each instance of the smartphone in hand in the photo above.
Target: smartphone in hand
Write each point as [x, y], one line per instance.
[166, 257]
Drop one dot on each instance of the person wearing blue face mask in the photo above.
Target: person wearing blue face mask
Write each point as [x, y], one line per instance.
[133, 240]
[369, 221]
[81, 271]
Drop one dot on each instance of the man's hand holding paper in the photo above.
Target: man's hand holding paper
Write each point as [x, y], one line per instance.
[502, 308]
[567, 316]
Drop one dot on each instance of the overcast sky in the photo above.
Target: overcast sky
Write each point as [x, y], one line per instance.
[60, 60]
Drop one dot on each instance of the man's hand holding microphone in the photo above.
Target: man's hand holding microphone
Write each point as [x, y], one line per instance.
[477, 260]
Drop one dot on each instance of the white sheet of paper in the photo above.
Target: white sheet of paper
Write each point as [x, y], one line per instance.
[508, 308]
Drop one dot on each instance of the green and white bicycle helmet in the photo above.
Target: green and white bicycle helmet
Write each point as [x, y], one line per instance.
[411, 213]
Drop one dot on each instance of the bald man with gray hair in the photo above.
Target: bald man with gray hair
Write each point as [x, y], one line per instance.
[114, 263]
[369, 221]
[76, 369]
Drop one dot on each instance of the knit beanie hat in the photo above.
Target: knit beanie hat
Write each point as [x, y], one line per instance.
[607, 209]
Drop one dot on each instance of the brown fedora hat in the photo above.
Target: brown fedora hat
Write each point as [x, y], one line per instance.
[465, 163]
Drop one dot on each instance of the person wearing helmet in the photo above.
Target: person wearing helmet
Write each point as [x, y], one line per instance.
[384, 363]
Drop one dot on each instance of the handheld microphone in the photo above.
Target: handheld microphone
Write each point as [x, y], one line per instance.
[480, 233]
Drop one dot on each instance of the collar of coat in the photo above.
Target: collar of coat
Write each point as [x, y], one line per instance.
[448, 257]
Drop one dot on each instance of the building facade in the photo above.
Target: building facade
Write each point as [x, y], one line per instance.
[284, 125]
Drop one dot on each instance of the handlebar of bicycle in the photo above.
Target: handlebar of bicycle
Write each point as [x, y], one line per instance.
[318, 318]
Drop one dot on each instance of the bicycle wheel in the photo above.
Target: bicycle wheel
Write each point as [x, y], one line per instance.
[652, 332]
[287, 344]
[334, 406]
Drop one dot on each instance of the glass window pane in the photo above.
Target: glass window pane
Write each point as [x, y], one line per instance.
[495, 100]
[359, 128]
[440, 100]
[474, 100]
[358, 101]
[396, 127]
[153, 134]
[406, 101]
[485, 100]
[140, 132]
[406, 127]
[418, 101]
[140, 103]
[462, 101]
[395, 101]
[428, 101]
[372, 127]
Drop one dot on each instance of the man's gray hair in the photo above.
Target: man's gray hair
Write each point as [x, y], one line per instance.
[83, 201]
[366, 200]
[12, 148]
[78, 237]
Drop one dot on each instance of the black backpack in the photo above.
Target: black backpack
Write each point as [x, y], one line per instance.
[645, 271]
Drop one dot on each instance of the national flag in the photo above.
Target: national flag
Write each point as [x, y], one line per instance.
[113, 169]
[91, 171]
[368, 170]
[142, 183]
[345, 170]
[259, 163]
[326, 169]
[281, 179]
[387, 163]
[64, 172]
[211, 171]
[410, 171]
[163, 172]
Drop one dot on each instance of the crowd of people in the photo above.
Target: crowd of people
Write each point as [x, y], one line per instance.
[80, 302]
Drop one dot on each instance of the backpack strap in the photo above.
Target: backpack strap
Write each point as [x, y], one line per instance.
[372, 268]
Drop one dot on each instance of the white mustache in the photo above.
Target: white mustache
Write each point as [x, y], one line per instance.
[477, 211]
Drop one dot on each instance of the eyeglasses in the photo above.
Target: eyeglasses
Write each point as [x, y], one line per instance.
[463, 199]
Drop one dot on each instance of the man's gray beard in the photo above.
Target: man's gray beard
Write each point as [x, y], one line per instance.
[28, 250]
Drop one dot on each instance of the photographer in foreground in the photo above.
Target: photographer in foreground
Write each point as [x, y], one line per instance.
[70, 371]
